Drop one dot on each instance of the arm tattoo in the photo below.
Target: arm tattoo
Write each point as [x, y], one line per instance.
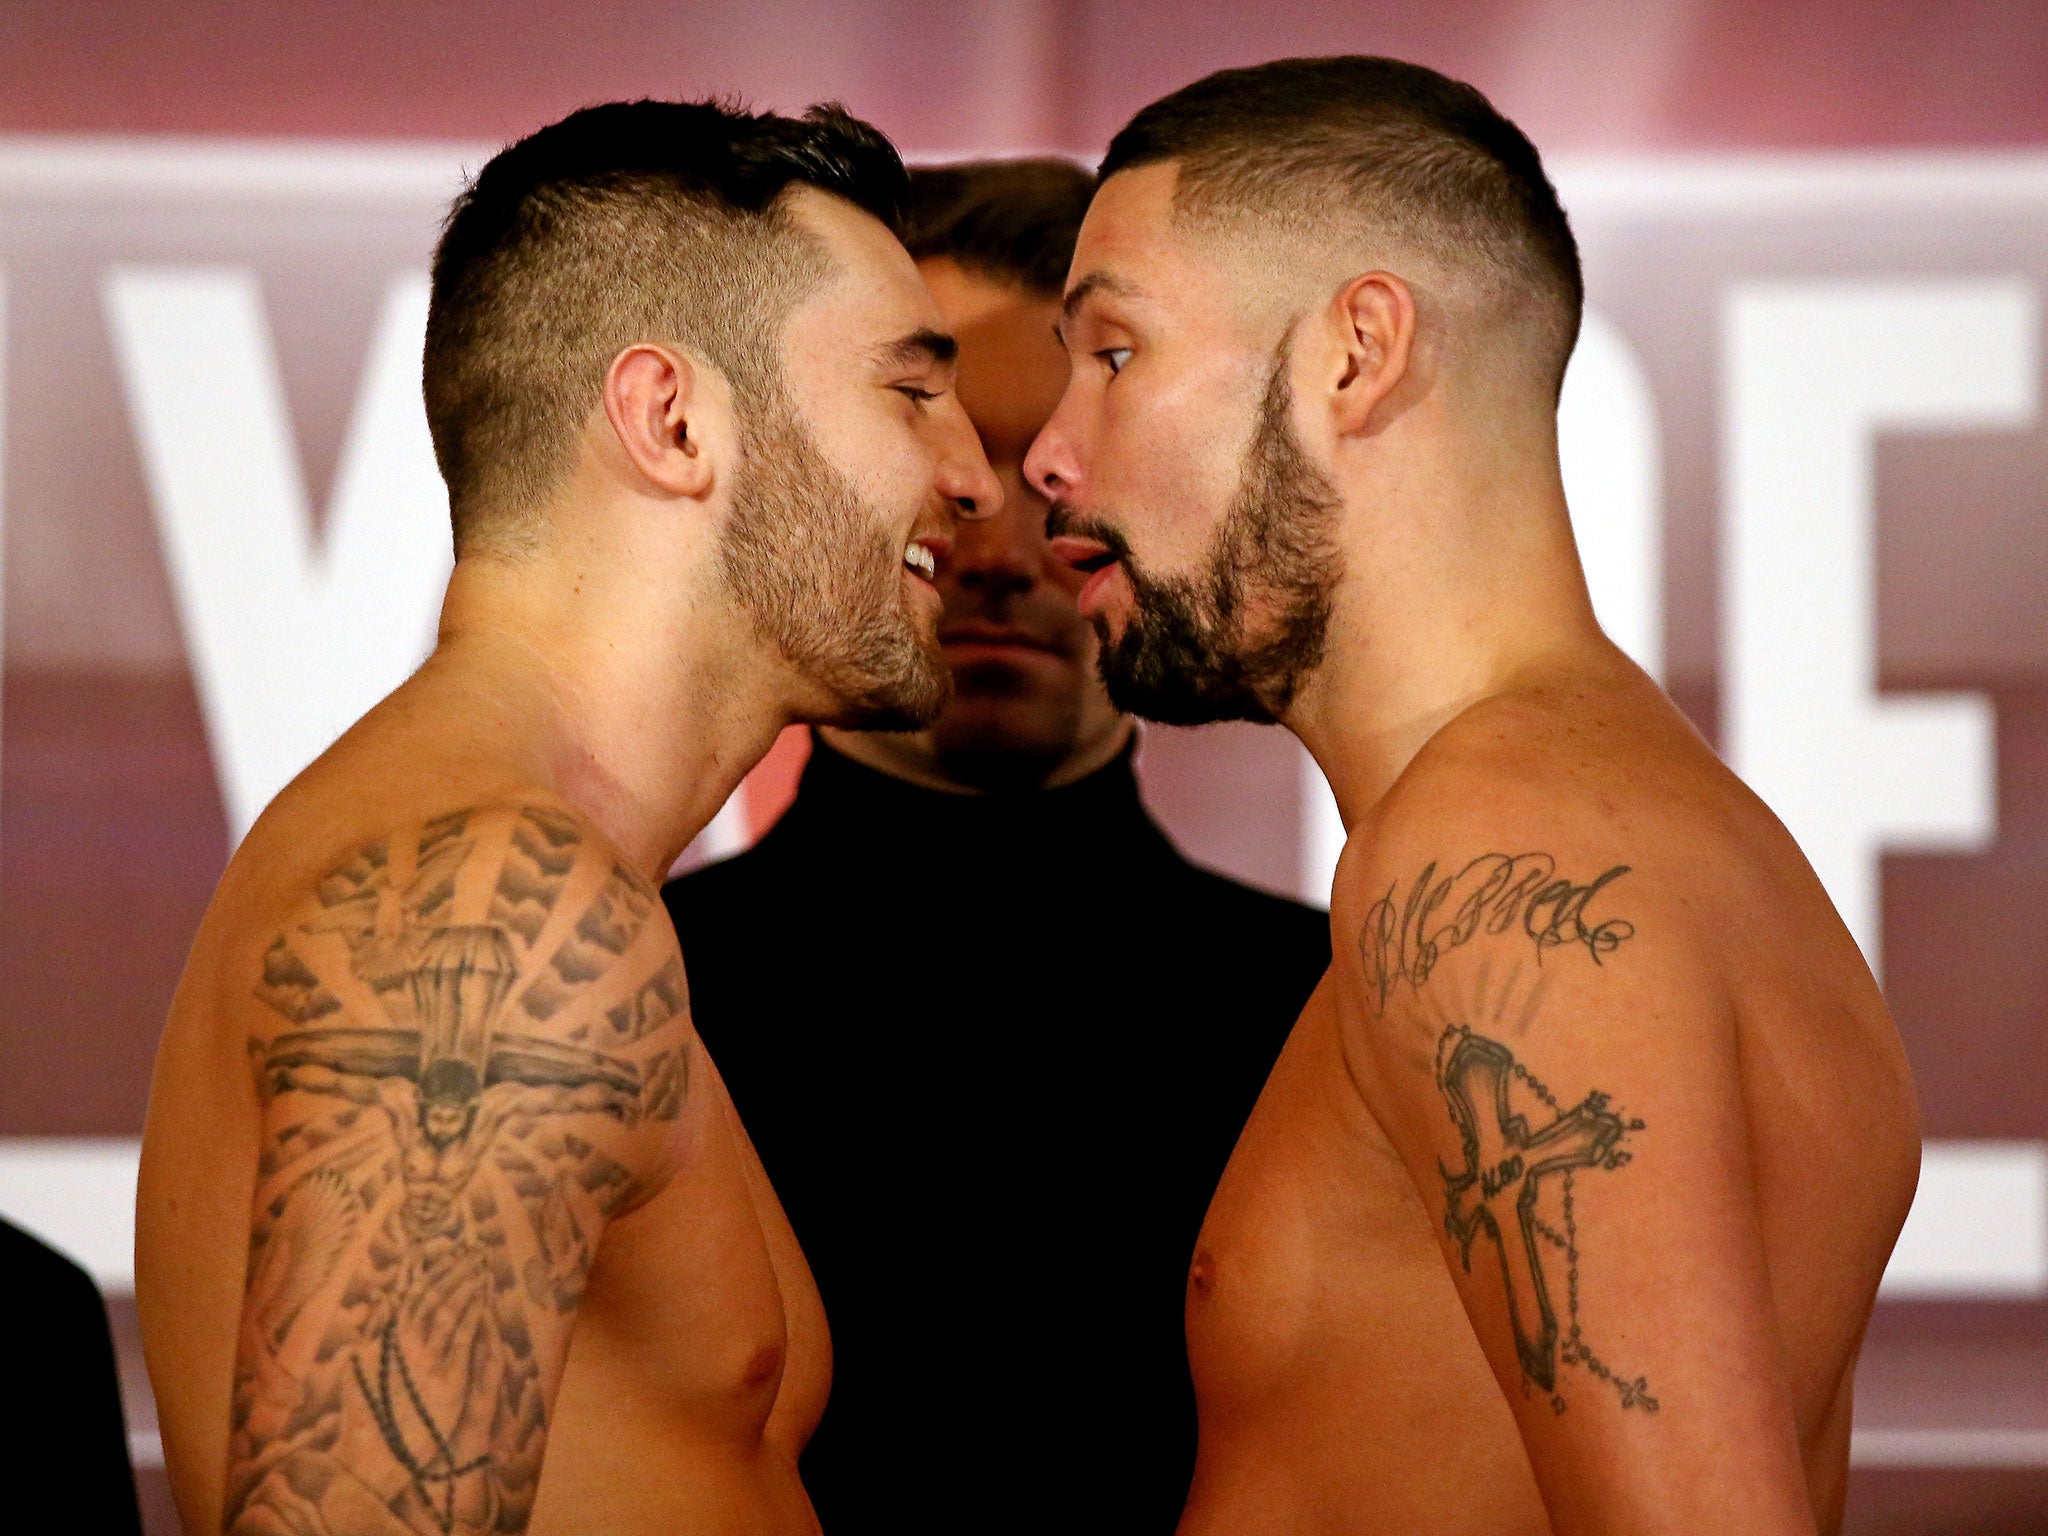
[1497, 893]
[430, 1187]
[1518, 1142]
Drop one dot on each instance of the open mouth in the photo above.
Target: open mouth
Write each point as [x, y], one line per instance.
[1082, 554]
[922, 554]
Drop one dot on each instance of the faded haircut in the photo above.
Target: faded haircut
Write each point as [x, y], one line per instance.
[1415, 157]
[645, 221]
[1010, 221]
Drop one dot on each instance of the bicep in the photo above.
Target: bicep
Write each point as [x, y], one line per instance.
[414, 1275]
[406, 1317]
[1575, 1124]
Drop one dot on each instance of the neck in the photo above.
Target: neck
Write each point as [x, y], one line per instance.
[1482, 595]
[914, 757]
[597, 681]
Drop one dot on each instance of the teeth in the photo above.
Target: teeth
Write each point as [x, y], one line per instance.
[919, 559]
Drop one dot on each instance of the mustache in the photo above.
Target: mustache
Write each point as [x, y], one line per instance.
[1060, 519]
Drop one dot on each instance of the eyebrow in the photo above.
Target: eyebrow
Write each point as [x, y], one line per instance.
[923, 345]
[1095, 282]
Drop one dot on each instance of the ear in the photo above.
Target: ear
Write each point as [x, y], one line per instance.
[1375, 316]
[659, 408]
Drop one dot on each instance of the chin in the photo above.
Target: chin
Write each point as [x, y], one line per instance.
[908, 702]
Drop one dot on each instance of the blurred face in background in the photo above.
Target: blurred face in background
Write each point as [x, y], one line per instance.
[1028, 709]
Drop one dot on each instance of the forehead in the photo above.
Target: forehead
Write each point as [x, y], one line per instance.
[874, 288]
[1012, 368]
[1131, 249]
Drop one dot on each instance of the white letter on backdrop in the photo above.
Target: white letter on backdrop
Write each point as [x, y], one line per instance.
[290, 640]
[1608, 449]
[1814, 371]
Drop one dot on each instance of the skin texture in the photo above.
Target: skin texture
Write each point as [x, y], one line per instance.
[446, 1222]
[1565, 1207]
[1028, 708]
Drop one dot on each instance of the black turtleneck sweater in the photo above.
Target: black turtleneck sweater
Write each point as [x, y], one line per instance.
[994, 1053]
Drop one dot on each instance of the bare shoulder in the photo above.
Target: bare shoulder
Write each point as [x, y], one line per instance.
[468, 1038]
[1637, 1071]
[491, 934]
[1566, 821]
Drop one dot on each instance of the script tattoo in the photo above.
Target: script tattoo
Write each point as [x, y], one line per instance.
[1497, 893]
[470, 1010]
[1499, 1193]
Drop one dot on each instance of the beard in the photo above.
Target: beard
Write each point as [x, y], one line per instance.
[1235, 642]
[810, 562]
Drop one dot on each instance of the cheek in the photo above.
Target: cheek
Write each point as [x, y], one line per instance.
[1172, 478]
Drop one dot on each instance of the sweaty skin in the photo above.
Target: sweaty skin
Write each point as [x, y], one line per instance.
[1566, 1204]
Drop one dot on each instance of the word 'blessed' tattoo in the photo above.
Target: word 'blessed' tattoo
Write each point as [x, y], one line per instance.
[469, 1009]
[1510, 1165]
[1404, 937]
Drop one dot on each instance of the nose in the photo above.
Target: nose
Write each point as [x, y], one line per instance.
[964, 476]
[1002, 556]
[1051, 467]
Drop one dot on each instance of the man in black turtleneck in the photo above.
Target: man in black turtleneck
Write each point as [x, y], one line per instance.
[995, 1118]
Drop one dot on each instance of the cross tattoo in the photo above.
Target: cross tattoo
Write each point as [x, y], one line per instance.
[1505, 1166]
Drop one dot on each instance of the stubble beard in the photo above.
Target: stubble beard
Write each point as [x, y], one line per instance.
[811, 564]
[1236, 642]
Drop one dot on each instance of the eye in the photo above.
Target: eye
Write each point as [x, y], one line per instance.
[1114, 358]
[920, 395]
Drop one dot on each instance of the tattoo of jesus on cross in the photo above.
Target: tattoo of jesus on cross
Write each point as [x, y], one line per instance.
[1508, 1166]
[468, 1013]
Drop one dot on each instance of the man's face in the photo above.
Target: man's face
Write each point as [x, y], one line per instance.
[852, 480]
[1025, 691]
[446, 1121]
[1176, 476]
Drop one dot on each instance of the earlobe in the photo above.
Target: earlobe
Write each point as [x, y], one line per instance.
[1375, 314]
[654, 402]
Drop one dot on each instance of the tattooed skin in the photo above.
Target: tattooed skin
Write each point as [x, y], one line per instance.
[1405, 936]
[1518, 1143]
[431, 1181]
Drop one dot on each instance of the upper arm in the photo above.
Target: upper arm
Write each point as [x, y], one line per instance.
[1553, 1054]
[508, 991]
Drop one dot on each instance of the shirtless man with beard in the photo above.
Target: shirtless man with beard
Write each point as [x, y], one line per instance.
[446, 1222]
[1566, 1204]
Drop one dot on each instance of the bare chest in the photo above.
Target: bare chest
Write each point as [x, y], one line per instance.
[1315, 1240]
[1334, 1368]
[700, 1307]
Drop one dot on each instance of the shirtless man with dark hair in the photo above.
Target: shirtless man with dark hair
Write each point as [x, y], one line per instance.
[446, 1223]
[1566, 1205]
[911, 1157]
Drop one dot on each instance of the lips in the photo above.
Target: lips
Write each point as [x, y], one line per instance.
[1081, 553]
[999, 635]
[1089, 599]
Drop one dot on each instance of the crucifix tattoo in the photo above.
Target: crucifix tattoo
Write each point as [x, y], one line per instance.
[1508, 1163]
[469, 1011]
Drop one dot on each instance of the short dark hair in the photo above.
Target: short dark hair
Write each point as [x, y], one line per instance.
[631, 221]
[1011, 221]
[1421, 155]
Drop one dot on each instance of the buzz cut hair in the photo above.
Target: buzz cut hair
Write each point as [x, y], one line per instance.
[1012, 222]
[642, 221]
[1413, 156]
